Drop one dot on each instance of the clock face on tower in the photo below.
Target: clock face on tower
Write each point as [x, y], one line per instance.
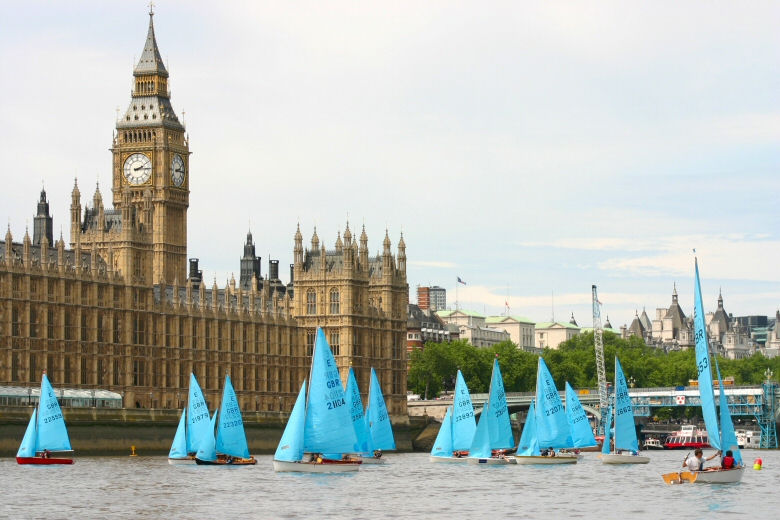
[177, 170]
[138, 169]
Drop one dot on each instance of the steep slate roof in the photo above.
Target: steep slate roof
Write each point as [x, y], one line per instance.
[150, 62]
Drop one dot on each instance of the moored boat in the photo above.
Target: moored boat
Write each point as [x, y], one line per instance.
[652, 443]
[688, 437]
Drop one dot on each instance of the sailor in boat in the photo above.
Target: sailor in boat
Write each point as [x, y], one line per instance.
[377, 454]
[696, 462]
[549, 452]
[728, 462]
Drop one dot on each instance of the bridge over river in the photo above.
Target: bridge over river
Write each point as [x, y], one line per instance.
[759, 402]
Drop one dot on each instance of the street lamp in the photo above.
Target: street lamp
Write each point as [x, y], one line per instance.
[631, 381]
[768, 374]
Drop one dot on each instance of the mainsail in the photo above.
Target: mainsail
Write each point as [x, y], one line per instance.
[377, 418]
[355, 406]
[179, 444]
[703, 366]
[581, 432]
[552, 427]
[529, 443]
[52, 434]
[231, 438]
[625, 430]
[197, 417]
[442, 446]
[463, 423]
[328, 425]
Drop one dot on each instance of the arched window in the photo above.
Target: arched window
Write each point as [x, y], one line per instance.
[334, 301]
[311, 302]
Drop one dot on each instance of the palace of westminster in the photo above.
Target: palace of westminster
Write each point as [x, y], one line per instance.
[121, 308]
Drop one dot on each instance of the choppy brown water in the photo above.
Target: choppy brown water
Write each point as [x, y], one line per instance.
[407, 487]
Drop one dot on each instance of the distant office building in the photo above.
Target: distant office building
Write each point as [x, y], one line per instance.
[422, 326]
[520, 329]
[552, 334]
[473, 328]
[432, 298]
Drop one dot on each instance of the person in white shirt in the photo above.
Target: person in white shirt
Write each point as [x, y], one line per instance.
[696, 462]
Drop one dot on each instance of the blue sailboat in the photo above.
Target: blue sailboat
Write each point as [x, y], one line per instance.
[581, 431]
[463, 426]
[626, 445]
[380, 428]
[550, 426]
[362, 446]
[230, 446]
[320, 421]
[493, 438]
[193, 427]
[720, 426]
[46, 432]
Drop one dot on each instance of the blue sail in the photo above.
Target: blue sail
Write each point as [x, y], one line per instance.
[442, 446]
[179, 444]
[328, 427]
[499, 426]
[52, 433]
[625, 429]
[605, 447]
[378, 419]
[552, 427]
[703, 366]
[231, 438]
[463, 423]
[529, 444]
[581, 432]
[197, 417]
[207, 449]
[290, 446]
[355, 405]
[480, 444]
[27, 447]
[728, 438]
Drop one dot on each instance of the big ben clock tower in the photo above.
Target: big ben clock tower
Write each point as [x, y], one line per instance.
[151, 175]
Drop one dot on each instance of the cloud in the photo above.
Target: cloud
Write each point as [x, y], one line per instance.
[432, 263]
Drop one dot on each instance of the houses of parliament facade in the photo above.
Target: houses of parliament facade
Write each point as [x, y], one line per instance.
[122, 308]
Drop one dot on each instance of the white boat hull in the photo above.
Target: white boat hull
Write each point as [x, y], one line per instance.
[493, 460]
[565, 458]
[436, 458]
[720, 476]
[181, 462]
[620, 458]
[314, 467]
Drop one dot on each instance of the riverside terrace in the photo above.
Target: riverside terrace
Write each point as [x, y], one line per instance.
[759, 402]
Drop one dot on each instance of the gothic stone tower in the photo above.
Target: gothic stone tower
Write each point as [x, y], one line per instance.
[360, 302]
[145, 237]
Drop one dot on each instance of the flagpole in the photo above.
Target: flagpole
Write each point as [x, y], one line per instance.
[456, 294]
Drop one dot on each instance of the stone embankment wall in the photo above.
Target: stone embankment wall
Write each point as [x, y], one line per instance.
[101, 431]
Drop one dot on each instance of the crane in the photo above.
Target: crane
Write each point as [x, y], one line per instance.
[598, 342]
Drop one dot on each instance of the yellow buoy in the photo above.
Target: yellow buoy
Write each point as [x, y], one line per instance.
[132, 451]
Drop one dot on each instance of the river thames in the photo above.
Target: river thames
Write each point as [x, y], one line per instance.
[409, 486]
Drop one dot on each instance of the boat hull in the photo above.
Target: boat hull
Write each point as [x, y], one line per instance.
[720, 476]
[498, 461]
[565, 458]
[619, 458]
[316, 467]
[447, 460]
[43, 461]
[251, 461]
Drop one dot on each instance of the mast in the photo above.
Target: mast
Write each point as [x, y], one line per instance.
[598, 343]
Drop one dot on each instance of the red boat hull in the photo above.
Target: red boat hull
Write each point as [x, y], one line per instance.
[685, 445]
[41, 460]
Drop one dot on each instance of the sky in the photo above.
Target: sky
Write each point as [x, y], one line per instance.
[532, 149]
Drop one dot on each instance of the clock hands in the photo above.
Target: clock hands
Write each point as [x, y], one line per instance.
[142, 167]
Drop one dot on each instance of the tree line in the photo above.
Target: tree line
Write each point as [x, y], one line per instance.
[432, 369]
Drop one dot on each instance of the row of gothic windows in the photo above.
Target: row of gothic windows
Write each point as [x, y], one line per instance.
[140, 136]
[334, 301]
